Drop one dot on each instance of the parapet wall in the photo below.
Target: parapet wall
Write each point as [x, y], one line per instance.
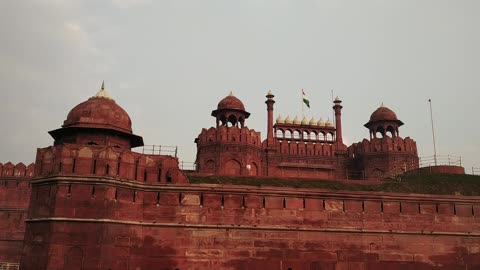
[14, 200]
[18, 171]
[229, 227]
[226, 134]
[385, 144]
[72, 159]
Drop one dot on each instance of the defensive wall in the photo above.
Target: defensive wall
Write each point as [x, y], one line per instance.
[14, 199]
[107, 223]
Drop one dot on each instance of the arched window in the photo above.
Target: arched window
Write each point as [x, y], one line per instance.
[279, 134]
[232, 121]
[380, 132]
[305, 135]
[321, 136]
[391, 132]
[288, 134]
[313, 136]
[296, 134]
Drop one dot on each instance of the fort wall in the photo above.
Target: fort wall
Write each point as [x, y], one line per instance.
[14, 200]
[110, 224]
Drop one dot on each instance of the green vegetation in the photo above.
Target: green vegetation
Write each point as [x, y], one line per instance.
[445, 184]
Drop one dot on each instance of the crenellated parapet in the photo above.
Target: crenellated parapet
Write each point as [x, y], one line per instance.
[223, 134]
[17, 171]
[229, 151]
[386, 144]
[108, 161]
[384, 157]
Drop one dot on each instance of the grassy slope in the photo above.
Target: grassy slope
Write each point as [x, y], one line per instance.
[444, 184]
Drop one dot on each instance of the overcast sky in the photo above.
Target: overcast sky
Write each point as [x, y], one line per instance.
[169, 62]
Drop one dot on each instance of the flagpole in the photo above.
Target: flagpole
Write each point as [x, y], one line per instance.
[433, 133]
[303, 106]
[333, 111]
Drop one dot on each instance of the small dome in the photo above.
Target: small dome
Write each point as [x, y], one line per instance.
[231, 102]
[280, 120]
[304, 121]
[383, 113]
[288, 120]
[328, 123]
[296, 121]
[321, 123]
[313, 122]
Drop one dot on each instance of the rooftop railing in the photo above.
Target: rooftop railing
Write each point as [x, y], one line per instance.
[440, 160]
[160, 150]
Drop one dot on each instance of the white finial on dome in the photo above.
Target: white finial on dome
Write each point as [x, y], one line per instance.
[304, 121]
[270, 93]
[102, 93]
[231, 94]
[288, 120]
[313, 122]
[296, 121]
[337, 99]
[381, 105]
[280, 120]
[328, 123]
[321, 123]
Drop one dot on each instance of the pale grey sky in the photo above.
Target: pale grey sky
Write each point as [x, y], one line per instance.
[169, 62]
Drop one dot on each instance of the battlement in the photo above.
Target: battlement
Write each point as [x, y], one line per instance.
[246, 206]
[18, 171]
[225, 134]
[73, 159]
[217, 225]
[385, 144]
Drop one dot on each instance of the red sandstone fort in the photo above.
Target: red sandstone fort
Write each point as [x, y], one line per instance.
[91, 202]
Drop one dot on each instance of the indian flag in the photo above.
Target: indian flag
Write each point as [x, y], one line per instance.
[305, 99]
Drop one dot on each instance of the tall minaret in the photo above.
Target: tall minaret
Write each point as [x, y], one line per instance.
[338, 119]
[270, 103]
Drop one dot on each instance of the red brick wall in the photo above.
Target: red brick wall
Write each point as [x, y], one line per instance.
[125, 225]
[14, 199]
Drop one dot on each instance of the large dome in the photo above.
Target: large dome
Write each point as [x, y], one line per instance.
[99, 112]
[383, 113]
[231, 102]
[98, 115]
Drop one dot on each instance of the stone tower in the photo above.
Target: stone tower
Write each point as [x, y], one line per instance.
[386, 153]
[230, 148]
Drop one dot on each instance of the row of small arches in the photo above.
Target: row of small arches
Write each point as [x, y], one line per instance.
[304, 121]
[304, 135]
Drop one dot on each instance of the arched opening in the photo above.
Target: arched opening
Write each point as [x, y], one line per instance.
[296, 134]
[391, 132]
[233, 167]
[321, 136]
[305, 135]
[313, 136]
[329, 137]
[279, 134]
[288, 134]
[223, 120]
[232, 121]
[379, 132]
